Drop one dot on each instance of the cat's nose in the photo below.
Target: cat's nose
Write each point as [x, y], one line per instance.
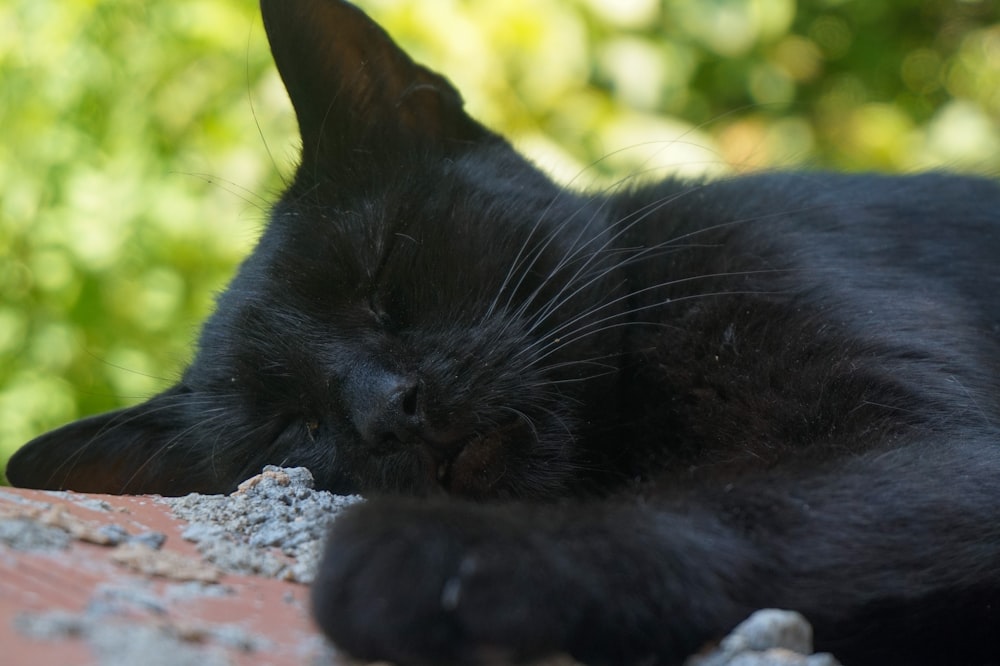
[388, 408]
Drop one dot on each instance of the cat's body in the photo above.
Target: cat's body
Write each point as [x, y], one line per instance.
[672, 404]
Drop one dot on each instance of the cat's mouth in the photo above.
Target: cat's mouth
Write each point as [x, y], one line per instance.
[472, 467]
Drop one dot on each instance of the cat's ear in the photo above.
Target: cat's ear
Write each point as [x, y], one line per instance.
[353, 88]
[130, 451]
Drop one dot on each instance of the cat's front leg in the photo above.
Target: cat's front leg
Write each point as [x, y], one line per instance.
[418, 582]
[893, 555]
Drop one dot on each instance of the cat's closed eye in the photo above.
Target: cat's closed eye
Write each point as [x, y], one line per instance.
[380, 316]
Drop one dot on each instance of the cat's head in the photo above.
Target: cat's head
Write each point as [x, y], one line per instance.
[424, 311]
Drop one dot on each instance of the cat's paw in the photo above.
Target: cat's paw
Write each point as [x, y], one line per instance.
[432, 582]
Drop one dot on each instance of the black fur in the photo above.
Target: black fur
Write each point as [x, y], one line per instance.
[611, 423]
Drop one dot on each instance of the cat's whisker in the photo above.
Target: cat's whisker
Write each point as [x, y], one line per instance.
[656, 251]
[245, 194]
[256, 120]
[560, 194]
[538, 251]
[595, 360]
[575, 252]
[522, 417]
[641, 214]
[624, 225]
[568, 324]
[562, 298]
[581, 380]
[588, 330]
[552, 414]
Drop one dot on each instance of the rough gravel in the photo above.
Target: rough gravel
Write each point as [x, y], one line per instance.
[273, 525]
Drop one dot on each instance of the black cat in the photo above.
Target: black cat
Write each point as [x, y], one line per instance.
[610, 424]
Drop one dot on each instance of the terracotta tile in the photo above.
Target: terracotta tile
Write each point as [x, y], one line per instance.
[79, 606]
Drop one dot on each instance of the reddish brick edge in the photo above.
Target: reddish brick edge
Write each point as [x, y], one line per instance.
[274, 613]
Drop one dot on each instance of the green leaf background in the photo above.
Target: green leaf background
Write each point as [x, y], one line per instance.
[143, 139]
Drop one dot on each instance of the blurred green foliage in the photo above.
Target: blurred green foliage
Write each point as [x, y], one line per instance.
[143, 139]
